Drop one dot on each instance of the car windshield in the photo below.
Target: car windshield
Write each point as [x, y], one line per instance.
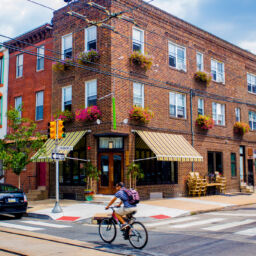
[8, 189]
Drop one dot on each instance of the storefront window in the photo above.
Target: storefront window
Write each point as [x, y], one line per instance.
[110, 142]
[215, 163]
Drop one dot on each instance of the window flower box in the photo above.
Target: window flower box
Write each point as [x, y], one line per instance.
[88, 57]
[204, 122]
[142, 115]
[62, 66]
[66, 116]
[143, 61]
[241, 128]
[203, 77]
[88, 114]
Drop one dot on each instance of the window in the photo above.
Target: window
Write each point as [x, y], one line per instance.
[138, 95]
[251, 82]
[40, 58]
[238, 114]
[215, 163]
[1, 110]
[39, 105]
[217, 71]
[67, 98]
[218, 113]
[177, 56]
[91, 38]
[1, 71]
[18, 104]
[200, 107]
[91, 93]
[67, 47]
[19, 65]
[252, 120]
[111, 143]
[138, 40]
[199, 61]
[233, 164]
[177, 105]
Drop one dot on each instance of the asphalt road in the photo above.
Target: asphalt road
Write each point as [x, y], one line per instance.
[223, 233]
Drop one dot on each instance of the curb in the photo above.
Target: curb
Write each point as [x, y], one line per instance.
[39, 216]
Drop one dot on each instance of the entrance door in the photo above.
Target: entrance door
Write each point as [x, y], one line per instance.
[250, 173]
[41, 174]
[111, 167]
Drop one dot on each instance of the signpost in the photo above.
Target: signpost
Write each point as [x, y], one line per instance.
[64, 148]
[58, 156]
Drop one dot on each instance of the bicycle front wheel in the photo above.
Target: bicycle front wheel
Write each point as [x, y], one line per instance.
[107, 230]
[138, 235]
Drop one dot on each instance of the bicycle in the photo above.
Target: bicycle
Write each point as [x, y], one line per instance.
[136, 232]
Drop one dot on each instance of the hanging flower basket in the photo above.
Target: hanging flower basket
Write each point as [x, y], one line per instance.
[241, 128]
[203, 77]
[204, 122]
[88, 57]
[139, 114]
[141, 60]
[62, 66]
[88, 114]
[66, 116]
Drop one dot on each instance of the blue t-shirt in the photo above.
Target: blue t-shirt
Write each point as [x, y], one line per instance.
[124, 198]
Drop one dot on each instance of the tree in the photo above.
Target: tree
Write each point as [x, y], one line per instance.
[91, 173]
[21, 140]
[134, 173]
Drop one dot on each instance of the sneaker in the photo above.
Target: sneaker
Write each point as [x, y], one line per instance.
[124, 227]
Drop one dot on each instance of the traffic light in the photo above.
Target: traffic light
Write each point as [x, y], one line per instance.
[52, 130]
[61, 130]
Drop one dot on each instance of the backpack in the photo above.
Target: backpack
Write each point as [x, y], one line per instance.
[133, 196]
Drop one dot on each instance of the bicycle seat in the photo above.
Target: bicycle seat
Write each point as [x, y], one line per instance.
[130, 215]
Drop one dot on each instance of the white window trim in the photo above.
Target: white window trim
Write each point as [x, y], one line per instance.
[62, 44]
[185, 104]
[86, 89]
[217, 61]
[247, 82]
[202, 61]
[143, 36]
[40, 105]
[39, 57]
[239, 114]
[253, 128]
[17, 66]
[224, 114]
[16, 107]
[142, 88]
[62, 101]
[198, 104]
[86, 38]
[185, 55]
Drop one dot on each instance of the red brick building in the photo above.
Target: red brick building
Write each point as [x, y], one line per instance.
[30, 84]
[178, 50]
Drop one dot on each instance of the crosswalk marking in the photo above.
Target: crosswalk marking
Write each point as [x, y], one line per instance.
[197, 223]
[9, 225]
[45, 224]
[229, 225]
[247, 232]
[232, 214]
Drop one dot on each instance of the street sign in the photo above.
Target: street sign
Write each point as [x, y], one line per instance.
[64, 148]
[58, 156]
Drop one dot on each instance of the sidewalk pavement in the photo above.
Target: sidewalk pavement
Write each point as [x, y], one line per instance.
[148, 211]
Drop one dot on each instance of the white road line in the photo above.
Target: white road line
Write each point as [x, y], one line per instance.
[178, 220]
[197, 223]
[9, 225]
[247, 232]
[45, 224]
[232, 214]
[229, 225]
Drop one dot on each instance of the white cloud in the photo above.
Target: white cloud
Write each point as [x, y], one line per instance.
[248, 45]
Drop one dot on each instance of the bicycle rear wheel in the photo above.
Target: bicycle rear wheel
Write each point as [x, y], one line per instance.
[138, 235]
[107, 230]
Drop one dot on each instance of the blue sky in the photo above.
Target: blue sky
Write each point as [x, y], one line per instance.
[232, 20]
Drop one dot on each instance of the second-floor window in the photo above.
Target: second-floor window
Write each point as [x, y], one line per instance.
[18, 105]
[199, 61]
[238, 114]
[251, 82]
[40, 58]
[19, 65]
[138, 40]
[1, 71]
[200, 107]
[138, 95]
[67, 98]
[91, 93]
[39, 105]
[217, 71]
[91, 38]
[177, 105]
[67, 47]
[218, 113]
[177, 56]
[252, 120]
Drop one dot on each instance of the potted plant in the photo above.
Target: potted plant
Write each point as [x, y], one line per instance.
[204, 122]
[88, 57]
[241, 128]
[139, 114]
[65, 115]
[62, 66]
[134, 173]
[88, 114]
[141, 60]
[203, 77]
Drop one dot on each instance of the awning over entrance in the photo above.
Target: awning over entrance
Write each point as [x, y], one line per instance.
[71, 139]
[170, 147]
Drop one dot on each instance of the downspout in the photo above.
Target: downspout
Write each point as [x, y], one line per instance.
[191, 122]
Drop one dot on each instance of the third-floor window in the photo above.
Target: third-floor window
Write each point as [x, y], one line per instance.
[67, 98]
[19, 65]
[67, 47]
[217, 71]
[177, 56]
[91, 93]
[40, 58]
[218, 113]
[238, 114]
[91, 38]
[177, 105]
[199, 61]
[251, 82]
[138, 40]
[252, 120]
[200, 106]
[138, 95]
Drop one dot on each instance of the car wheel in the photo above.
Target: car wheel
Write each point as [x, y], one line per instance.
[18, 215]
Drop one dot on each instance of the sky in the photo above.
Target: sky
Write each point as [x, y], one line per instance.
[231, 20]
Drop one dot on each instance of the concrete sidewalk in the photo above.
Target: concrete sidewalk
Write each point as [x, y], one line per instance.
[149, 211]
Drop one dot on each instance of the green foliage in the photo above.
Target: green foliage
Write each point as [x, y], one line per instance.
[141, 60]
[62, 65]
[134, 171]
[203, 77]
[91, 171]
[204, 122]
[241, 128]
[143, 115]
[87, 57]
[64, 115]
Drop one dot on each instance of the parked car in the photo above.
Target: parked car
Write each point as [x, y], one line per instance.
[12, 201]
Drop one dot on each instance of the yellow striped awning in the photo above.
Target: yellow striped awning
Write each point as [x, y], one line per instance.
[170, 147]
[71, 139]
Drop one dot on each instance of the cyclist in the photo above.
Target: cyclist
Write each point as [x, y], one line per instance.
[127, 207]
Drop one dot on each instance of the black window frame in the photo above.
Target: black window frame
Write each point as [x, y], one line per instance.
[233, 162]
